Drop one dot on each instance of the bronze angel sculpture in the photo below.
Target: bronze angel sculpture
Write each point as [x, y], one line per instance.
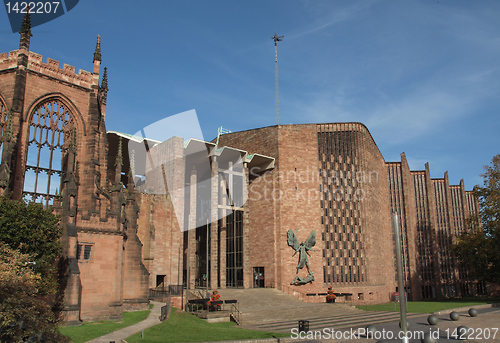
[302, 249]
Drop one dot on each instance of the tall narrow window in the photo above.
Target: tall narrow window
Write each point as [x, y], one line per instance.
[49, 130]
[234, 249]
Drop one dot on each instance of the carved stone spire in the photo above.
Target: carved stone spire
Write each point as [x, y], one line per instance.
[104, 82]
[97, 53]
[104, 87]
[118, 167]
[132, 162]
[119, 154]
[130, 181]
[26, 31]
[26, 25]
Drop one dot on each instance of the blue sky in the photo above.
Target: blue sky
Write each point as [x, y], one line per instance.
[422, 75]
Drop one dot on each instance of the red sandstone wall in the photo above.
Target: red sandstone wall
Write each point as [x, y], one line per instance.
[101, 276]
[6, 86]
[299, 202]
[376, 222]
[161, 236]
[296, 205]
[262, 208]
[159, 227]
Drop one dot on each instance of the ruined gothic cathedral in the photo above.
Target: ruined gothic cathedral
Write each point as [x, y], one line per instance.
[123, 237]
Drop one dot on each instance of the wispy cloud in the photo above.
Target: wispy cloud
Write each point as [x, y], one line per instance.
[330, 16]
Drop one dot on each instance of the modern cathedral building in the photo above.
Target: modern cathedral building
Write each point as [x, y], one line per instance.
[294, 207]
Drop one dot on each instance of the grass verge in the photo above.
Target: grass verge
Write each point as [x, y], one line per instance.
[184, 327]
[430, 306]
[91, 330]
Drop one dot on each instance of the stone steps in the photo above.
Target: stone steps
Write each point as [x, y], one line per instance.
[338, 323]
[272, 310]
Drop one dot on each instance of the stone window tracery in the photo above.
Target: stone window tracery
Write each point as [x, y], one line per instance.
[49, 135]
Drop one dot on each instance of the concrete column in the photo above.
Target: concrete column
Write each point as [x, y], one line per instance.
[214, 229]
[175, 175]
[192, 230]
[223, 233]
[247, 272]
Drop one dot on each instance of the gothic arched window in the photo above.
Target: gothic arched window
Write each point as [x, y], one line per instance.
[49, 135]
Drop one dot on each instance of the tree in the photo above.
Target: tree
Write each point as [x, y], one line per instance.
[24, 316]
[32, 230]
[479, 246]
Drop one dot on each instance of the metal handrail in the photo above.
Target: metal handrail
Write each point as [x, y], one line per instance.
[158, 294]
[237, 317]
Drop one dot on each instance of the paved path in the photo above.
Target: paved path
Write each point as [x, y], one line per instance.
[487, 321]
[482, 328]
[118, 335]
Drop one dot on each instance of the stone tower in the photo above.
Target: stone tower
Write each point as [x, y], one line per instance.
[54, 150]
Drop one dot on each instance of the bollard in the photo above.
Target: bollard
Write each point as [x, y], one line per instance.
[454, 316]
[472, 312]
[432, 319]
[303, 325]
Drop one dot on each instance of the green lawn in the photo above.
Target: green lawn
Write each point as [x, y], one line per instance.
[91, 330]
[184, 327]
[430, 306]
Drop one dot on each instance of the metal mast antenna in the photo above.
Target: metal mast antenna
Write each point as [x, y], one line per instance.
[277, 39]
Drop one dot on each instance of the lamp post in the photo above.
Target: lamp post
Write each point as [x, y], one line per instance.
[401, 288]
[188, 269]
